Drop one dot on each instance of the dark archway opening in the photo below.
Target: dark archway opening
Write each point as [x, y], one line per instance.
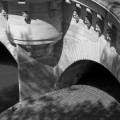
[9, 92]
[86, 72]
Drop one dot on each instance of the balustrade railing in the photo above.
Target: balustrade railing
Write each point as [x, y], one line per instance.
[98, 16]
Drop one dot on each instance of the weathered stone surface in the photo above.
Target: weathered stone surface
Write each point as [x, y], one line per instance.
[76, 102]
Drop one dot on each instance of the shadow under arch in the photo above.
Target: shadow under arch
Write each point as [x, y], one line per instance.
[91, 73]
[9, 91]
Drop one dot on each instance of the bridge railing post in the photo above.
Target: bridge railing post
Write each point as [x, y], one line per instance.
[83, 12]
[94, 19]
[99, 25]
[105, 27]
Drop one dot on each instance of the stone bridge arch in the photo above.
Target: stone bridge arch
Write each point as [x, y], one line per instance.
[83, 41]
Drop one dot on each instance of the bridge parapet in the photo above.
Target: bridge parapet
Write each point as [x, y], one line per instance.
[103, 20]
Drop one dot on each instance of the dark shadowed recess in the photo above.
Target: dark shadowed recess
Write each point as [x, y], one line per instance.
[86, 72]
[9, 92]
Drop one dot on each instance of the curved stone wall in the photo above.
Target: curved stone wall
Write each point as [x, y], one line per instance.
[90, 32]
